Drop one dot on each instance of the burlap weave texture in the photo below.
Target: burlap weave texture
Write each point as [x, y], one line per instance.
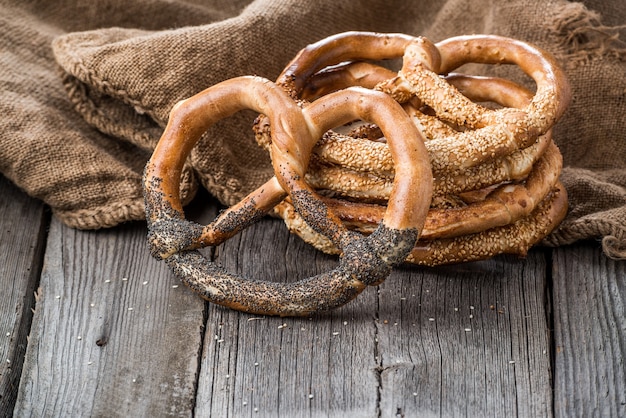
[87, 88]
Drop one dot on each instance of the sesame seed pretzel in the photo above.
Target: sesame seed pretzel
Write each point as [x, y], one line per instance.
[294, 131]
[470, 146]
[485, 133]
[370, 178]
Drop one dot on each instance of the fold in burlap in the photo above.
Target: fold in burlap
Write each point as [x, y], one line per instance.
[125, 77]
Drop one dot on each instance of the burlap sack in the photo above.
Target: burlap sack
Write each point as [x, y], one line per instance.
[132, 62]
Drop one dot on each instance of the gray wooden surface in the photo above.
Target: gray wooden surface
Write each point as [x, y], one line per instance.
[113, 334]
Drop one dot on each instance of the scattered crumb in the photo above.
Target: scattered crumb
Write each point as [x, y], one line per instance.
[58, 296]
[335, 333]
[145, 283]
[79, 338]
[130, 309]
[512, 362]
[468, 330]
[174, 286]
[431, 319]
[282, 326]
[107, 281]
[471, 307]
[310, 396]
[124, 279]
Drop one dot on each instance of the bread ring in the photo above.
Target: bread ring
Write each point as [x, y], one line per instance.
[515, 238]
[365, 260]
[503, 205]
[359, 169]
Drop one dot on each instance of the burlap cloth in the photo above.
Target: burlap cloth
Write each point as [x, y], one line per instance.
[87, 86]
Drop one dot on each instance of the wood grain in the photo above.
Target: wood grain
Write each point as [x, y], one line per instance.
[23, 222]
[467, 340]
[589, 333]
[113, 334]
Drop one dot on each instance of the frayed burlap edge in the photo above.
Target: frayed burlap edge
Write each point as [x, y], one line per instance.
[583, 36]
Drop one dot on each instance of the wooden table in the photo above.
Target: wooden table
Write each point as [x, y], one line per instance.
[91, 325]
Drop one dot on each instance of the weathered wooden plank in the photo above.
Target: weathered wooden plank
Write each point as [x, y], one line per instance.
[467, 340]
[589, 294]
[22, 238]
[113, 334]
[272, 367]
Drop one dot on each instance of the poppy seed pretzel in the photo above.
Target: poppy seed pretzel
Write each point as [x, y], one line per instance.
[364, 260]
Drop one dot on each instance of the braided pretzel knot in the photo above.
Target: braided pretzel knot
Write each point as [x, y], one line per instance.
[364, 261]
[470, 146]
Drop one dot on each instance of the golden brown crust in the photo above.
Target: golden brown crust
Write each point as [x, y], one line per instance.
[496, 169]
[365, 260]
[513, 238]
[471, 146]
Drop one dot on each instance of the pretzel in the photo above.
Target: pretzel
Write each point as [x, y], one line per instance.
[470, 146]
[515, 238]
[294, 131]
[331, 174]
[503, 205]
[492, 134]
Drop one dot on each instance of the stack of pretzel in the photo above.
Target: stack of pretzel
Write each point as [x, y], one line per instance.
[377, 166]
[489, 141]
